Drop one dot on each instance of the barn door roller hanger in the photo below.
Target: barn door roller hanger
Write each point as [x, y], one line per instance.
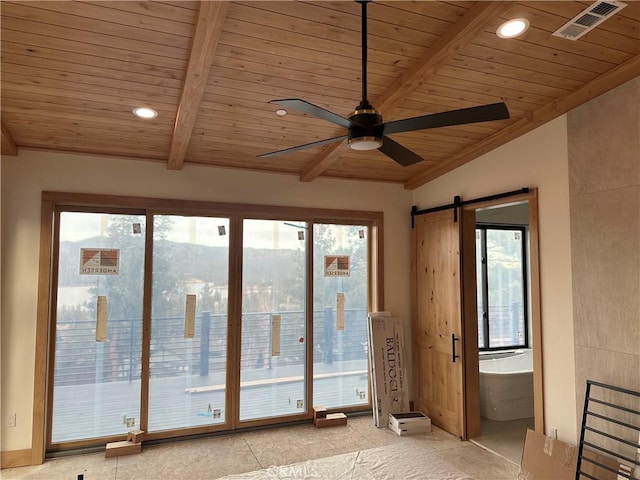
[457, 202]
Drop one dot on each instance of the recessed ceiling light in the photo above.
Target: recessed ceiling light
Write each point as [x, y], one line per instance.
[281, 112]
[513, 28]
[144, 112]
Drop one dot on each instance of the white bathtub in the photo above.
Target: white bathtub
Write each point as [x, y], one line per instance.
[506, 385]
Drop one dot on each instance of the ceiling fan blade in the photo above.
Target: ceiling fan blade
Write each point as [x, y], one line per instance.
[306, 145]
[398, 153]
[483, 113]
[314, 110]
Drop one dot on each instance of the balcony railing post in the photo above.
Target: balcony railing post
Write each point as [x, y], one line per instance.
[204, 344]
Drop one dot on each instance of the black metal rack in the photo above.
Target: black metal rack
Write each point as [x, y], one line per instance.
[610, 433]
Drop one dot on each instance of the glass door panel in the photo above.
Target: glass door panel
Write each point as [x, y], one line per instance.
[340, 297]
[273, 351]
[187, 370]
[98, 331]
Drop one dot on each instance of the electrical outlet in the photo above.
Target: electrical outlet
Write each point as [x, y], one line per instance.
[11, 420]
[553, 433]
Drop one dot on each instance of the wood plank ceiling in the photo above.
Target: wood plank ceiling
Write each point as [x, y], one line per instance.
[73, 71]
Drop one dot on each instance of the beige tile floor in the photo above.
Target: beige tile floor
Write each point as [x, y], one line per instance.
[505, 438]
[214, 457]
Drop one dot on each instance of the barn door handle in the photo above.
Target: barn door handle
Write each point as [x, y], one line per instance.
[453, 347]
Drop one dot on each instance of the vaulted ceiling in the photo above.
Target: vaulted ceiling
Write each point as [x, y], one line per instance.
[73, 71]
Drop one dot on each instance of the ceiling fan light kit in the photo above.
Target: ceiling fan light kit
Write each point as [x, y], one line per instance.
[365, 143]
[366, 129]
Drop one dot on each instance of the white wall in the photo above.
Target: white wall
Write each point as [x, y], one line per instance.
[26, 176]
[538, 159]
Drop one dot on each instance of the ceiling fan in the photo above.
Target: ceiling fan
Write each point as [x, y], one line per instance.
[367, 131]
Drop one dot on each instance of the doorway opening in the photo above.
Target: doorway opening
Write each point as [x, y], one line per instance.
[446, 321]
[504, 315]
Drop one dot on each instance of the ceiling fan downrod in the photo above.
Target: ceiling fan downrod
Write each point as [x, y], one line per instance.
[364, 104]
[366, 131]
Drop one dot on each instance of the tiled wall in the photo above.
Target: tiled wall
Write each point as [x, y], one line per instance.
[604, 186]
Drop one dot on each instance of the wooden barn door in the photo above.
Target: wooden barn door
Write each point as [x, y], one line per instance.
[440, 379]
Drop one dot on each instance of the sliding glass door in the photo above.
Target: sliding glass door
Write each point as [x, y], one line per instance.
[340, 297]
[273, 367]
[188, 351]
[98, 327]
[179, 323]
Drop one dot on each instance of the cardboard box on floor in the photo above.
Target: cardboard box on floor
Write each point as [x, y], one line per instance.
[544, 458]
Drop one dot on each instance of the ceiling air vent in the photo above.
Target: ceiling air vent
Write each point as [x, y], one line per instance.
[588, 19]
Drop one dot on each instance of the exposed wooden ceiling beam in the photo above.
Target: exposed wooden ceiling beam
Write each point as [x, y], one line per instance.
[319, 164]
[205, 40]
[613, 78]
[9, 146]
[447, 47]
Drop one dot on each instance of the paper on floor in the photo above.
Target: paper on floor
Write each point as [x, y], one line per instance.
[398, 461]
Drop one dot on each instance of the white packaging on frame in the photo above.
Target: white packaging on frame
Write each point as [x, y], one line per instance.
[190, 317]
[275, 335]
[340, 311]
[101, 319]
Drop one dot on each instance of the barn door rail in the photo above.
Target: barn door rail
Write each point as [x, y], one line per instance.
[610, 427]
[458, 202]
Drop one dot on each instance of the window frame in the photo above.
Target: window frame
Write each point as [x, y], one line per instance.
[486, 321]
[54, 202]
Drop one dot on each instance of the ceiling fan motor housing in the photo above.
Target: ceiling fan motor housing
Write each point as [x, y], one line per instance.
[365, 123]
[365, 130]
